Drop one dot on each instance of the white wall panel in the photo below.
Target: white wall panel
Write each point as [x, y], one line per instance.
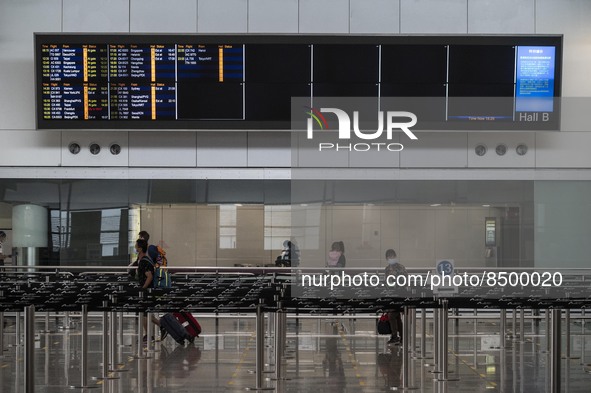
[324, 16]
[96, 16]
[18, 21]
[433, 16]
[563, 150]
[269, 149]
[206, 234]
[273, 16]
[573, 19]
[151, 221]
[563, 17]
[29, 148]
[104, 139]
[574, 113]
[501, 16]
[511, 159]
[417, 237]
[162, 149]
[390, 231]
[17, 94]
[228, 16]
[372, 158]
[156, 16]
[310, 156]
[375, 16]
[179, 225]
[458, 236]
[562, 231]
[222, 149]
[435, 150]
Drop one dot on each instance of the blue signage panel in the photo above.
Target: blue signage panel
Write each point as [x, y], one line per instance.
[534, 89]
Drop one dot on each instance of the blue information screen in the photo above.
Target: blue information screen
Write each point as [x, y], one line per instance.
[534, 90]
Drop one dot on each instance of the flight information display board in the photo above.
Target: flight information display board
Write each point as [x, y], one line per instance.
[233, 82]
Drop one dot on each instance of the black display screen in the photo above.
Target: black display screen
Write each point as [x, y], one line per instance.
[96, 81]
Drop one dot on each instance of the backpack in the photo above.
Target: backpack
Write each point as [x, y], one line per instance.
[162, 277]
[162, 257]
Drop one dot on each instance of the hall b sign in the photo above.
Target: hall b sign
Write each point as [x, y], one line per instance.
[346, 129]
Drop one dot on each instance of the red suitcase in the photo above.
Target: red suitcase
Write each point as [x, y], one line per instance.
[189, 322]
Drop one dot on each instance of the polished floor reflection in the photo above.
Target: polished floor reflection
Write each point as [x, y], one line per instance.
[328, 354]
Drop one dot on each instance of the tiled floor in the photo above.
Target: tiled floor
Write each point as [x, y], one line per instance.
[329, 355]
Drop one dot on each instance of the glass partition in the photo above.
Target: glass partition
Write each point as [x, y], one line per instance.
[245, 222]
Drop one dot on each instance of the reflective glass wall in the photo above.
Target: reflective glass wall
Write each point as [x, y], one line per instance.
[245, 222]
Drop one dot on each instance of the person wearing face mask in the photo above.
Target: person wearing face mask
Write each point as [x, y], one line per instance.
[132, 271]
[394, 268]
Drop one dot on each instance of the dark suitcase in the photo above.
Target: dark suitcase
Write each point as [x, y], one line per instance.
[175, 329]
[189, 323]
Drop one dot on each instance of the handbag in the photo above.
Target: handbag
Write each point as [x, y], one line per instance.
[384, 325]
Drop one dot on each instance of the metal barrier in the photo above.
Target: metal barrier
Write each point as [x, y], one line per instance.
[255, 291]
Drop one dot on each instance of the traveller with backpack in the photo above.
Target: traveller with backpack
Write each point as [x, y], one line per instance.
[161, 274]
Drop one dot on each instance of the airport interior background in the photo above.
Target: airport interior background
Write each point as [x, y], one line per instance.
[228, 199]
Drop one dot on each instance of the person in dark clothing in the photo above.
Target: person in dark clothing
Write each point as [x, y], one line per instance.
[143, 235]
[394, 268]
[145, 272]
[290, 255]
[2, 240]
[145, 267]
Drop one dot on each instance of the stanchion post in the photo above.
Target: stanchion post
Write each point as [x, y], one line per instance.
[84, 350]
[120, 331]
[47, 323]
[278, 353]
[567, 341]
[18, 329]
[583, 336]
[84, 356]
[548, 331]
[423, 333]
[567, 333]
[503, 328]
[140, 330]
[150, 332]
[260, 346]
[413, 332]
[1, 334]
[514, 323]
[444, 338]
[260, 349]
[113, 340]
[106, 342]
[29, 349]
[406, 361]
[140, 340]
[522, 325]
[67, 320]
[283, 319]
[105, 346]
[555, 355]
[437, 353]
